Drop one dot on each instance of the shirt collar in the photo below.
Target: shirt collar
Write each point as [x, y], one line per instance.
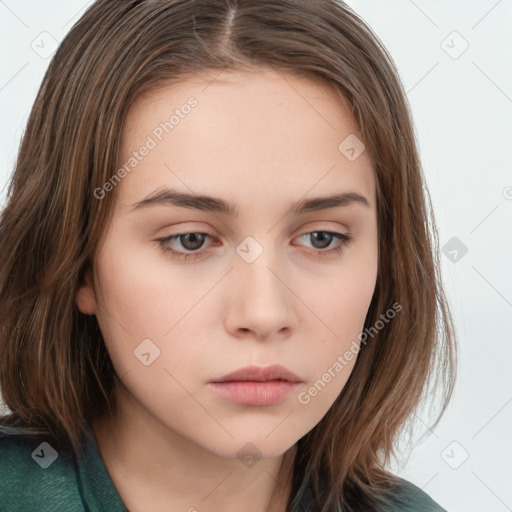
[96, 487]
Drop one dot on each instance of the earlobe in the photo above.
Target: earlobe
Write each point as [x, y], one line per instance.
[85, 297]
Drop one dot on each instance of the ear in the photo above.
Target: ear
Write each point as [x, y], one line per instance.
[85, 296]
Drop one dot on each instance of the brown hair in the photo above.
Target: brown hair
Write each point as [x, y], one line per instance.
[55, 372]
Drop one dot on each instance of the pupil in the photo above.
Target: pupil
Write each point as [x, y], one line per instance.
[199, 241]
[326, 239]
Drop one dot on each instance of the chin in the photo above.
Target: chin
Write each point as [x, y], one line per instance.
[251, 448]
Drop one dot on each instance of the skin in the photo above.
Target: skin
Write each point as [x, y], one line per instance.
[263, 140]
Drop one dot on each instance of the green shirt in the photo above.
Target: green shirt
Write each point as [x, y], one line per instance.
[34, 478]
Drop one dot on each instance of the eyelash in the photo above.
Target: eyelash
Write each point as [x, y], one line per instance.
[342, 237]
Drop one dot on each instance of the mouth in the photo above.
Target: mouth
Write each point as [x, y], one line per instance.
[257, 386]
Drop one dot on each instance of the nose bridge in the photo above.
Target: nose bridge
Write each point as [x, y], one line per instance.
[262, 298]
[257, 265]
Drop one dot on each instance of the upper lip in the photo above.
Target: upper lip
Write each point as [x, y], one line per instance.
[260, 374]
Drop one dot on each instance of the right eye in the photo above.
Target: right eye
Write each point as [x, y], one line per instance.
[192, 241]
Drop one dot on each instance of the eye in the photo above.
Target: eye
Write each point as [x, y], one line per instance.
[189, 241]
[323, 239]
[194, 241]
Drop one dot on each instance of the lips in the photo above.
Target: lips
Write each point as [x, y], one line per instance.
[275, 372]
[256, 386]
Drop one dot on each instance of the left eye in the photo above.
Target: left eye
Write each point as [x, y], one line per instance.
[194, 241]
[325, 241]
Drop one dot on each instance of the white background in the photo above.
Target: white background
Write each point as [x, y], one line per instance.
[462, 108]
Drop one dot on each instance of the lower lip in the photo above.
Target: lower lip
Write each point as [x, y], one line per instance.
[255, 393]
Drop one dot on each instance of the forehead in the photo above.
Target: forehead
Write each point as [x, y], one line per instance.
[256, 130]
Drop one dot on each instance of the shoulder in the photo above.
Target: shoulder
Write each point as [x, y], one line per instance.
[34, 476]
[407, 497]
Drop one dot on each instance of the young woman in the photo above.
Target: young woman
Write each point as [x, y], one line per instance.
[219, 286]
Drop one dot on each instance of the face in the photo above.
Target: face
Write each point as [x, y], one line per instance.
[189, 289]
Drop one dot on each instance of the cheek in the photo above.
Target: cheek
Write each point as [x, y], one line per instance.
[138, 286]
[331, 357]
[131, 307]
[342, 300]
[333, 343]
[144, 297]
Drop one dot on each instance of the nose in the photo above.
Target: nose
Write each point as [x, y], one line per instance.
[260, 301]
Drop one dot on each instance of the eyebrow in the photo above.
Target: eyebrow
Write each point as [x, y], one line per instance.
[170, 197]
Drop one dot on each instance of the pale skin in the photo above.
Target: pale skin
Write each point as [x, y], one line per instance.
[263, 141]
